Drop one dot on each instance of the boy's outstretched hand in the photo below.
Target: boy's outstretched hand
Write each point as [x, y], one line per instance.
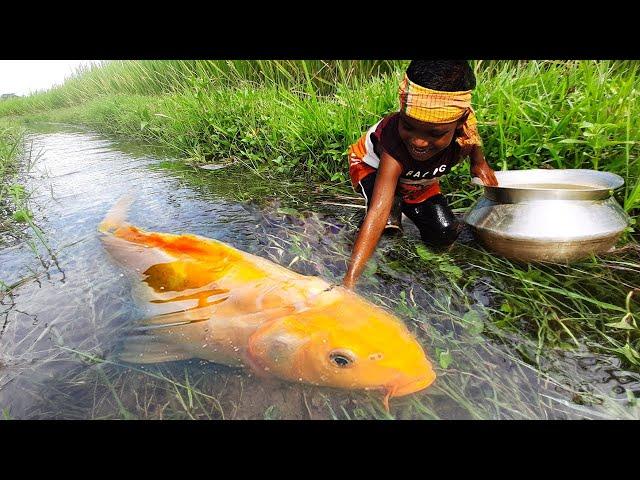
[348, 283]
[484, 172]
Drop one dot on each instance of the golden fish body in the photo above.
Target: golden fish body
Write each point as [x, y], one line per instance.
[205, 299]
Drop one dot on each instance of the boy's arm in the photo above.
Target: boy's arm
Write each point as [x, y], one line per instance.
[481, 169]
[379, 208]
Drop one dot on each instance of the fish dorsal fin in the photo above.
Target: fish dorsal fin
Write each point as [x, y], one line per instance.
[117, 215]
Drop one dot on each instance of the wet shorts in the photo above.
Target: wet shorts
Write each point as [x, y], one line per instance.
[436, 222]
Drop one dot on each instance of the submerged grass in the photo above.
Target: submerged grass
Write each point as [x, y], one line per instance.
[499, 346]
[16, 218]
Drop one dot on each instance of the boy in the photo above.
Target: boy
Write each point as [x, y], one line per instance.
[396, 164]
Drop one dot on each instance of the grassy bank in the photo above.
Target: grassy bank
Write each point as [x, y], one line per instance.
[298, 118]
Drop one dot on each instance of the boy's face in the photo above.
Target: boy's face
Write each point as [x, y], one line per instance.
[423, 139]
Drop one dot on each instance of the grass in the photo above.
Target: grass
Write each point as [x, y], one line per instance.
[17, 222]
[508, 340]
[298, 117]
[11, 193]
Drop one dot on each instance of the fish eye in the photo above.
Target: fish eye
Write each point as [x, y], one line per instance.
[341, 359]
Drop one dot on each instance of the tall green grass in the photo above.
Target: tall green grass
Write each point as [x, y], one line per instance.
[158, 77]
[297, 118]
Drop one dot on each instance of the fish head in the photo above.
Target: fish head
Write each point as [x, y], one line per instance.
[344, 342]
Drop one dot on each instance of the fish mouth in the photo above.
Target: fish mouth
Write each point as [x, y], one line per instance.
[414, 386]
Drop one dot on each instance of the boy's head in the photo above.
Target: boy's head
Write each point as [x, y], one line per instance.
[429, 116]
[443, 75]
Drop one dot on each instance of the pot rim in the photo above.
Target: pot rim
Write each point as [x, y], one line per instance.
[598, 185]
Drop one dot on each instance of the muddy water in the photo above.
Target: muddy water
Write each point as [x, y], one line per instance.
[60, 326]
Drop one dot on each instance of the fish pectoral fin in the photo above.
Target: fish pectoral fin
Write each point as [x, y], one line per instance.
[192, 315]
[149, 348]
[161, 338]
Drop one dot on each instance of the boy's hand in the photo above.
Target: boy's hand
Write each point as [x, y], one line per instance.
[485, 173]
[348, 283]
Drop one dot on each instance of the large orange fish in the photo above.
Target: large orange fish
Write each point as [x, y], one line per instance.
[205, 299]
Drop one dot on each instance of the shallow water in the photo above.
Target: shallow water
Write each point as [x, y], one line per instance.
[60, 326]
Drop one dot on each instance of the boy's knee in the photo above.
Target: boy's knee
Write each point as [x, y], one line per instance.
[442, 235]
[438, 226]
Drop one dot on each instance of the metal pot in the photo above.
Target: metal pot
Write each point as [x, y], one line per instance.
[549, 215]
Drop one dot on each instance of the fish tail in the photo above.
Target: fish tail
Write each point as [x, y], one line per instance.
[116, 217]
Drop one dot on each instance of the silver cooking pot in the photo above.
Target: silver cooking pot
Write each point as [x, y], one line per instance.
[549, 215]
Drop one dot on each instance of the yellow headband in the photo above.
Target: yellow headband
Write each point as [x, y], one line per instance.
[441, 107]
[433, 106]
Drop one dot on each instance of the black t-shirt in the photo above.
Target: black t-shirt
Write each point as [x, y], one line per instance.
[386, 137]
